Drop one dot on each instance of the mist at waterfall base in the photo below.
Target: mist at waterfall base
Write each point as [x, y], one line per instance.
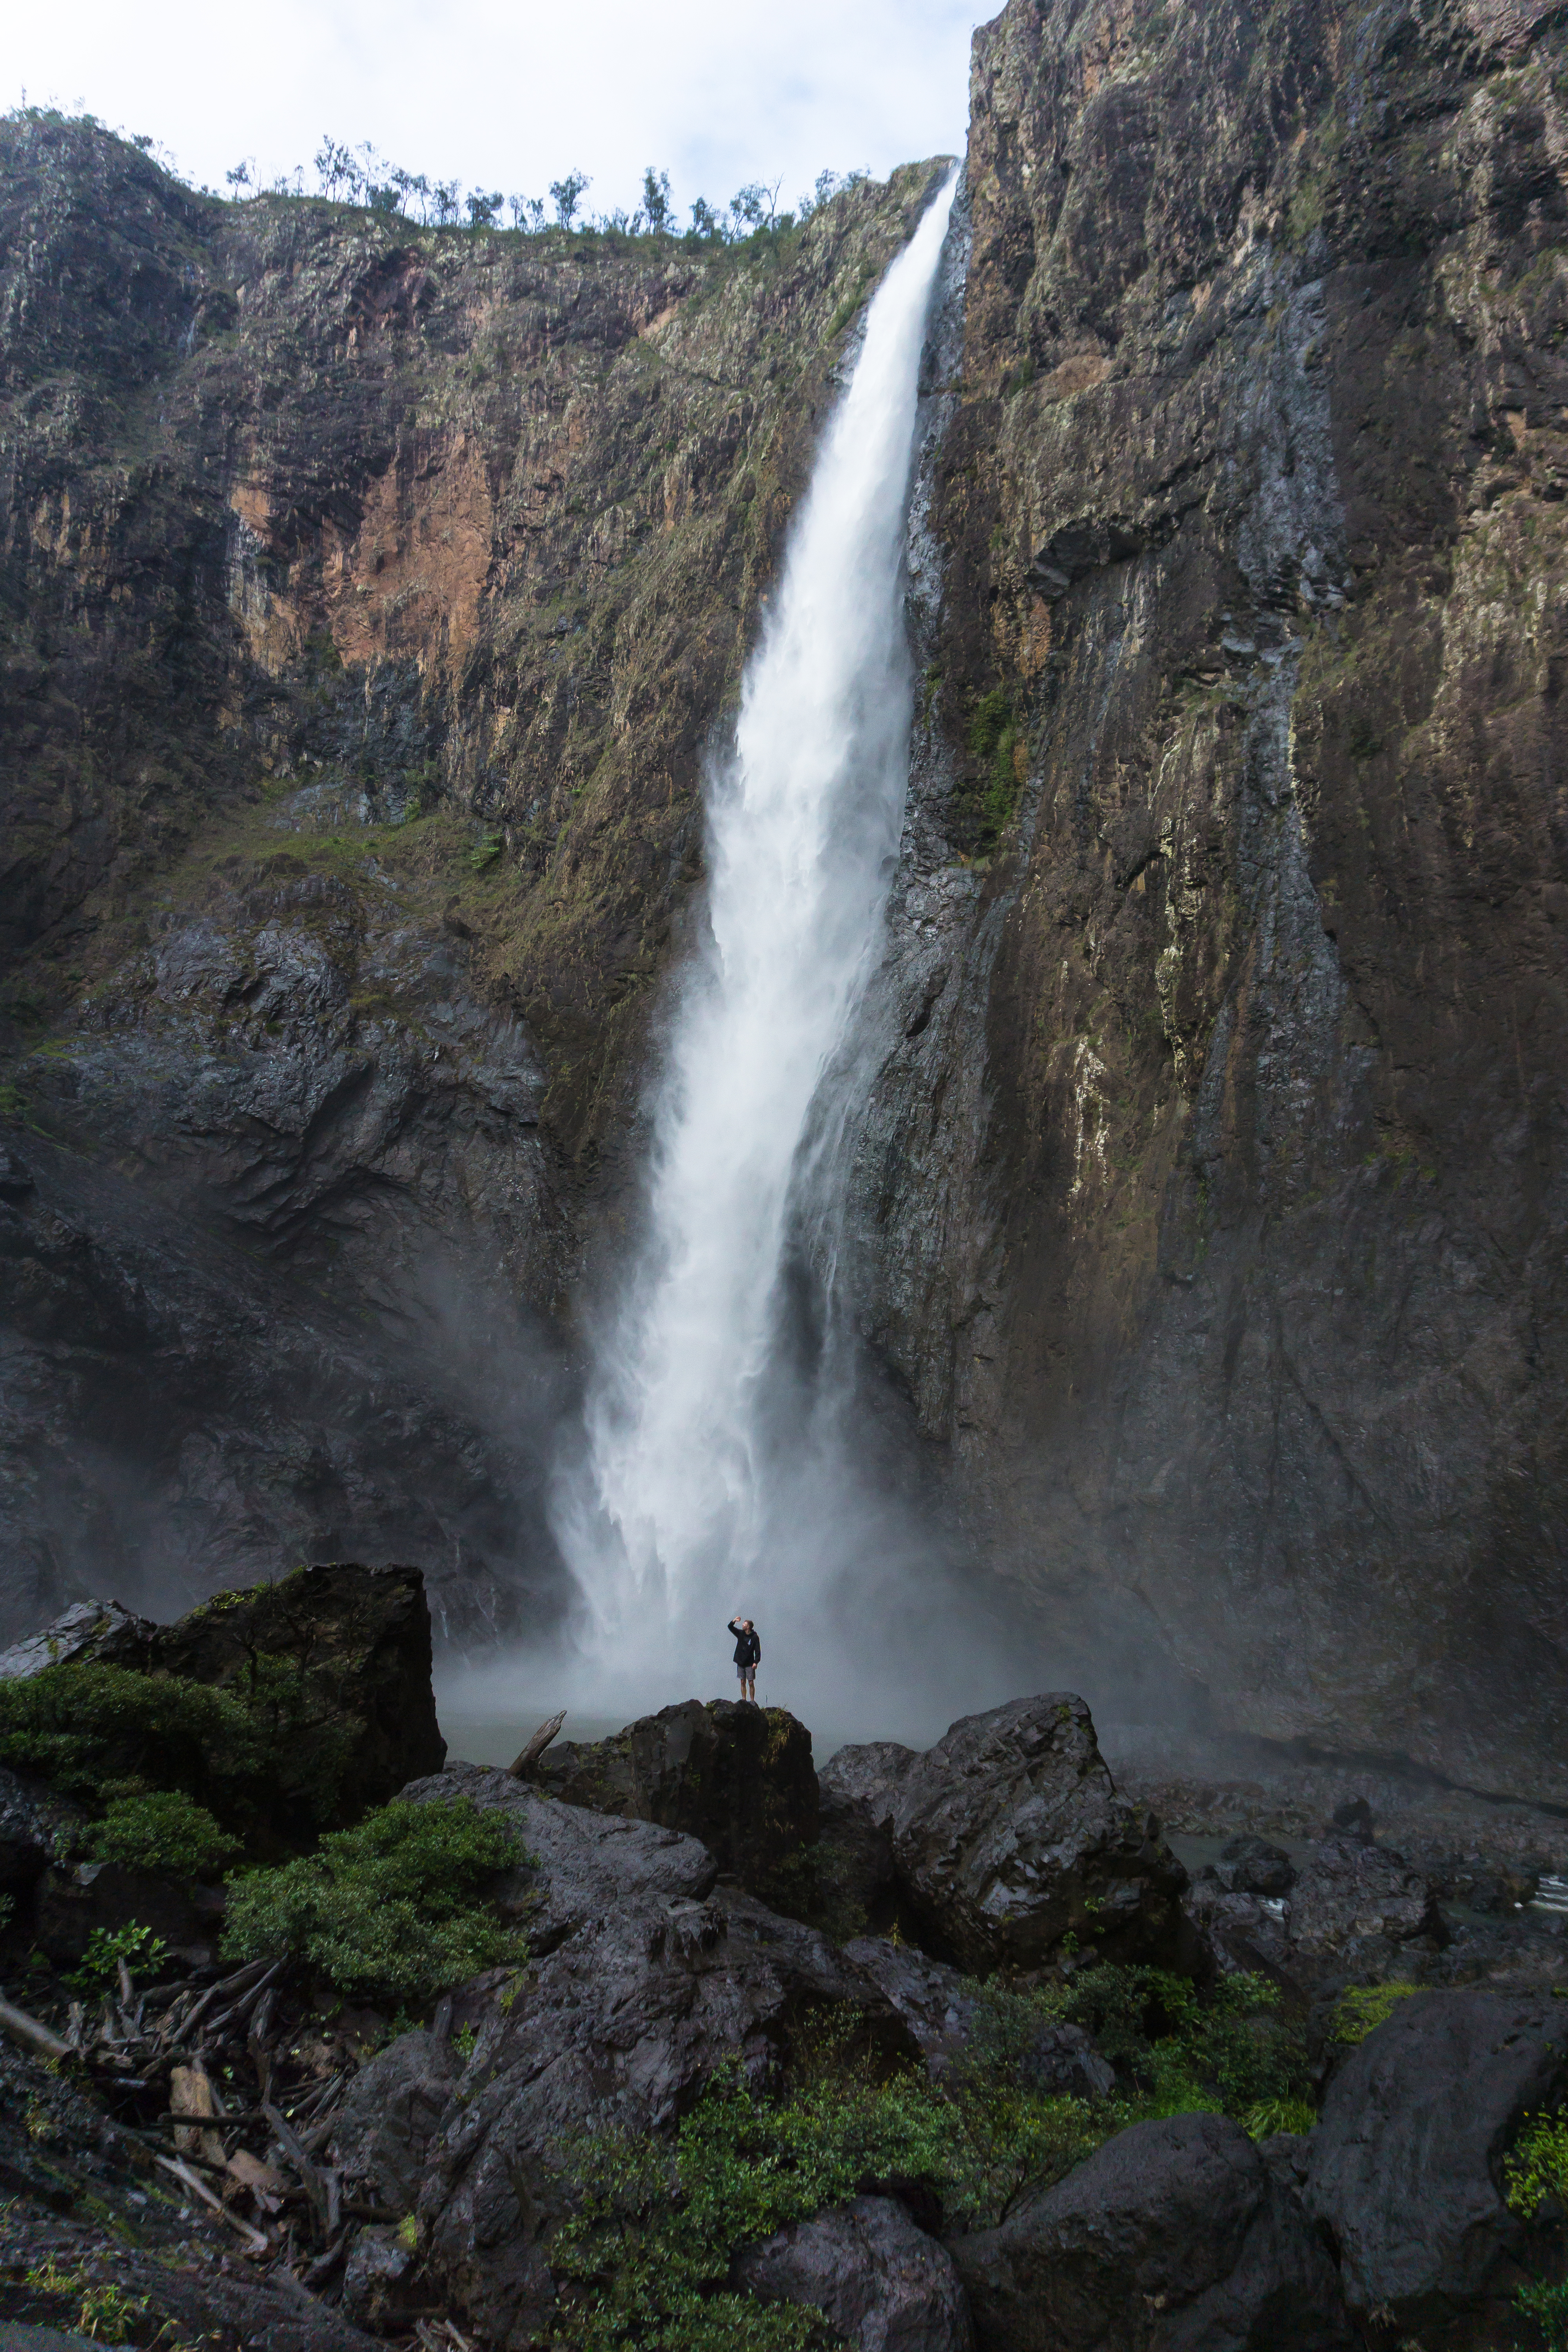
[734, 1458]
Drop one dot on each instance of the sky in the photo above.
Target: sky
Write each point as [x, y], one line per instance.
[512, 97]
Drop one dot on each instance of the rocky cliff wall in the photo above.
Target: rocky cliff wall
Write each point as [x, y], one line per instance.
[369, 595]
[1210, 1196]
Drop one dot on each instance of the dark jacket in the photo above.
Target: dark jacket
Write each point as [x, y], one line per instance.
[748, 1649]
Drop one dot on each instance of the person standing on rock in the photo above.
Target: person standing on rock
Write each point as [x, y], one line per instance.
[748, 1655]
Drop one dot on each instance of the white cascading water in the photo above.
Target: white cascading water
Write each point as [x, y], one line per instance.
[665, 1522]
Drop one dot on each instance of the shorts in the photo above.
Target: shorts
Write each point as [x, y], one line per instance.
[745, 1672]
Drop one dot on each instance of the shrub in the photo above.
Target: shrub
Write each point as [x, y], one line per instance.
[236, 1752]
[143, 1952]
[394, 1909]
[161, 1829]
[1535, 2174]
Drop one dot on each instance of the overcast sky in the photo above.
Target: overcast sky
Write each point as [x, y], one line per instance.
[512, 97]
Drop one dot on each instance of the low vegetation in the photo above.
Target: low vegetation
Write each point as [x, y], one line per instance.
[110, 1738]
[645, 2260]
[394, 1911]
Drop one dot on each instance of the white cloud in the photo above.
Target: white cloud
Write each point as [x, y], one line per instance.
[512, 97]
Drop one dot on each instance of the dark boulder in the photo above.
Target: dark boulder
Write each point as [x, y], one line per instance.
[1250, 1865]
[89, 1632]
[69, 1906]
[738, 1777]
[1350, 1894]
[391, 2112]
[882, 2283]
[32, 1825]
[1404, 2166]
[581, 1865]
[339, 1656]
[355, 1644]
[1008, 1835]
[621, 2028]
[1174, 2237]
[935, 2001]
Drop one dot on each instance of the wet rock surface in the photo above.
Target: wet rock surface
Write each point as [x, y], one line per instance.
[582, 1865]
[738, 1777]
[1173, 2234]
[1403, 2167]
[618, 2028]
[882, 2283]
[1008, 1835]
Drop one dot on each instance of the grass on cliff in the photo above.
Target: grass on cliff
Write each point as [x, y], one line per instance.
[646, 2259]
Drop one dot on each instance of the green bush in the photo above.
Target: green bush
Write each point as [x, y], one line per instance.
[143, 1952]
[1228, 2050]
[393, 1910]
[161, 1829]
[235, 1752]
[1535, 2174]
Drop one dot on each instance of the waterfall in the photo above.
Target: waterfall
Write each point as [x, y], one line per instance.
[669, 1520]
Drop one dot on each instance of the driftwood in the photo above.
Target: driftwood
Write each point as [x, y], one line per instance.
[536, 1746]
[30, 2035]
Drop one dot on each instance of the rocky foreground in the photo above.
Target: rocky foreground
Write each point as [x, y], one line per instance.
[930, 2052]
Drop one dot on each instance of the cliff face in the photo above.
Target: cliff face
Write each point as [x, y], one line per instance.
[369, 597]
[1212, 1195]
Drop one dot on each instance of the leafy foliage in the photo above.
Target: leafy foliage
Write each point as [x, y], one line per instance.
[394, 1909]
[85, 1728]
[161, 1829]
[1229, 2050]
[143, 1952]
[1548, 2307]
[1536, 2171]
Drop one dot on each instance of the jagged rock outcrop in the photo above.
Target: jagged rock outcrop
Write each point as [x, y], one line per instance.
[1174, 2236]
[1403, 2171]
[1008, 1836]
[619, 2029]
[738, 1777]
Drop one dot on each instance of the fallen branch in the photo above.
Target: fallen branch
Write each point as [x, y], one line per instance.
[537, 1745]
[31, 2033]
[193, 2180]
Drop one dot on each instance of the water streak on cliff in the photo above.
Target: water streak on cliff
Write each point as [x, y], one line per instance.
[672, 1501]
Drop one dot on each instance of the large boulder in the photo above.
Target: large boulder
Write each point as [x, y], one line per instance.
[1352, 1893]
[391, 2113]
[579, 1864]
[355, 1643]
[340, 1654]
[88, 1633]
[71, 1905]
[882, 2283]
[621, 2028]
[35, 1825]
[1008, 1836]
[1174, 2237]
[1404, 2166]
[855, 1867]
[738, 1777]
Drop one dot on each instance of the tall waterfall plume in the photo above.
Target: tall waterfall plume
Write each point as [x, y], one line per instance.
[671, 1519]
